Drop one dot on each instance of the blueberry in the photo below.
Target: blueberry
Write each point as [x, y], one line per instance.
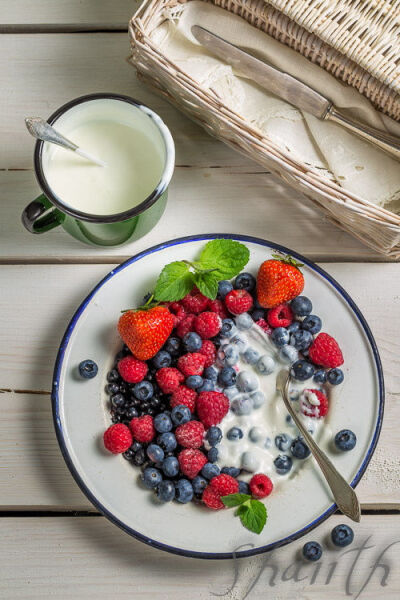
[155, 453]
[243, 487]
[345, 440]
[88, 369]
[266, 365]
[228, 328]
[251, 356]
[136, 446]
[143, 390]
[180, 414]
[183, 491]
[214, 435]
[283, 464]
[256, 434]
[112, 376]
[301, 306]
[162, 359]
[167, 441]
[239, 342]
[129, 454]
[250, 461]
[295, 326]
[245, 281]
[151, 477]
[335, 376]
[227, 377]
[288, 353]
[302, 370]
[243, 405]
[210, 470]
[118, 400]
[131, 413]
[301, 339]
[166, 491]
[212, 455]
[257, 314]
[280, 336]
[112, 388]
[342, 535]
[172, 345]
[234, 434]
[211, 373]
[258, 399]
[194, 381]
[199, 484]
[231, 392]
[289, 420]
[282, 442]
[299, 448]
[228, 354]
[268, 442]
[247, 381]
[312, 323]
[139, 457]
[232, 471]
[162, 423]
[312, 551]
[224, 287]
[170, 466]
[244, 321]
[320, 376]
[192, 342]
[206, 386]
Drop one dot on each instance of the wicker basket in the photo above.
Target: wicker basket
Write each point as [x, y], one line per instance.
[375, 226]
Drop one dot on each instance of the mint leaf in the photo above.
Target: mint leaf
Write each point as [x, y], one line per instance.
[227, 257]
[174, 282]
[235, 499]
[255, 517]
[207, 284]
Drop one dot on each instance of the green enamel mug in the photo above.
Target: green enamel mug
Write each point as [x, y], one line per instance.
[118, 210]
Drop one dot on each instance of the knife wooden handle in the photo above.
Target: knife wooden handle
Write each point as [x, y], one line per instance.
[386, 142]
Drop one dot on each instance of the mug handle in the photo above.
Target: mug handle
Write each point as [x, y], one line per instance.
[37, 218]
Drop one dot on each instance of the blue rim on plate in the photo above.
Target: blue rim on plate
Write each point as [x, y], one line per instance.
[60, 433]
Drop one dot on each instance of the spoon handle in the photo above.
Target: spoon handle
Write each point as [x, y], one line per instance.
[41, 130]
[344, 495]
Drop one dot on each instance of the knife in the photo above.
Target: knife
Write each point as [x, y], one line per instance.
[292, 90]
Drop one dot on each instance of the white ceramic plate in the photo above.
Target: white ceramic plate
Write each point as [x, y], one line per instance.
[81, 415]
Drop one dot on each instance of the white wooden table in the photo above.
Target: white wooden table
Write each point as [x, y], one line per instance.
[52, 541]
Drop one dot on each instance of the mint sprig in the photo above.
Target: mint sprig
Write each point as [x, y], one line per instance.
[219, 259]
[251, 512]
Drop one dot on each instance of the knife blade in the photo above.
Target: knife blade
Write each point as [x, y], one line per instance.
[281, 84]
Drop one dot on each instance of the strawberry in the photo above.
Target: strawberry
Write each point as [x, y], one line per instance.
[211, 408]
[191, 363]
[117, 438]
[190, 434]
[212, 499]
[278, 281]
[184, 396]
[260, 485]
[191, 461]
[131, 369]
[325, 351]
[145, 331]
[313, 403]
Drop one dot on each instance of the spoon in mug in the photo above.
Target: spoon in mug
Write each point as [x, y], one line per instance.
[344, 495]
[41, 130]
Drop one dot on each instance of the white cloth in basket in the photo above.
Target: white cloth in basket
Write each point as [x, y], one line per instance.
[353, 164]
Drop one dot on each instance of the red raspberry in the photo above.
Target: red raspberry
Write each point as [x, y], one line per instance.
[238, 301]
[224, 484]
[142, 428]
[185, 326]
[325, 351]
[191, 461]
[190, 435]
[195, 302]
[212, 499]
[131, 369]
[314, 403]
[177, 310]
[184, 395]
[280, 316]
[260, 485]
[207, 325]
[117, 438]
[264, 326]
[191, 364]
[209, 351]
[211, 407]
[218, 307]
[169, 379]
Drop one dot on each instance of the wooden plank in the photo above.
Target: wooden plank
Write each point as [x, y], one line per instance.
[67, 11]
[43, 71]
[201, 200]
[34, 476]
[89, 557]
